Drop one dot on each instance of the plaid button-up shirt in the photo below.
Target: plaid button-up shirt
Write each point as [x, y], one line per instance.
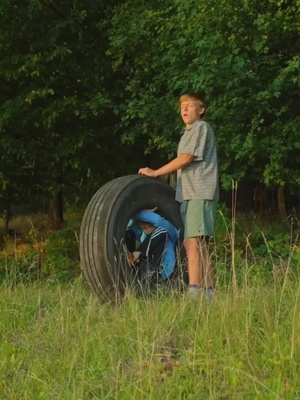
[200, 179]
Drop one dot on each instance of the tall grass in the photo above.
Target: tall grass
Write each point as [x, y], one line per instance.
[59, 342]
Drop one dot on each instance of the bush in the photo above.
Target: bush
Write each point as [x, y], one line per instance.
[38, 254]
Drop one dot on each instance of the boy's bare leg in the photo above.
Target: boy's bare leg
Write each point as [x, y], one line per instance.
[193, 258]
[199, 265]
[206, 264]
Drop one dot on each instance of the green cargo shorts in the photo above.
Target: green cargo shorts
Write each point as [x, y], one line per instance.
[199, 217]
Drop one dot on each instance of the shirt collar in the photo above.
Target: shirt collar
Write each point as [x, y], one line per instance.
[192, 126]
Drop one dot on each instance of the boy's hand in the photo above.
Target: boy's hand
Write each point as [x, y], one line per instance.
[136, 255]
[130, 258]
[147, 171]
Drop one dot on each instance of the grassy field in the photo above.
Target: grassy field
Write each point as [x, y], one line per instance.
[59, 342]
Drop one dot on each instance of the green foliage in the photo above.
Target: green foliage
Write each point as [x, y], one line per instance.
[37, 255]
[61, 254]
[56, 118]
[88, 87]
[249, 249]
[242, 55]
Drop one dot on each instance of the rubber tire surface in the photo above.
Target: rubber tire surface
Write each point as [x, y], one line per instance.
[104, 223]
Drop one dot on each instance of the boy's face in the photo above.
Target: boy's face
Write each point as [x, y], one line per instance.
[146, 228]
[191, 111]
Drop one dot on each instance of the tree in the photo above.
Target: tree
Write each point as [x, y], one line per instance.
[242, 55]
[55, 109]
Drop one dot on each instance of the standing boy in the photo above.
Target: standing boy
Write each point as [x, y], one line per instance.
[197, 189]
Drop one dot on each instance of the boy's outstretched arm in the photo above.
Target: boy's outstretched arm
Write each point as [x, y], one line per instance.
[179, 162]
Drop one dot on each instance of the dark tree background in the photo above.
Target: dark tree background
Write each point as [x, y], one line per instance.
[89, 92]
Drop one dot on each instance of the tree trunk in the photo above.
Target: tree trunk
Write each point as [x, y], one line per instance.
[55, 210]
[281, 207]
[8, 211]
[55, 207]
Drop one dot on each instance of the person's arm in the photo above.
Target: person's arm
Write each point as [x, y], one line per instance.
[148, 216]
[179, 162]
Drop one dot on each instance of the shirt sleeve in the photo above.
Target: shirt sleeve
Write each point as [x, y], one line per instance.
[148, 216]
[201, 142]
[197, 142]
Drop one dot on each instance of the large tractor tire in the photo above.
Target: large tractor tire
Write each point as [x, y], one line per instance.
[103, 254]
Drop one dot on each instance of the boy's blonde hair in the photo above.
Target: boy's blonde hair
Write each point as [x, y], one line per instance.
[193, 96]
